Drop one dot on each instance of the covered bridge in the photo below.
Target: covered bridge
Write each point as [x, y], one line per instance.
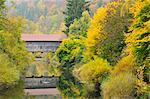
[43, 42]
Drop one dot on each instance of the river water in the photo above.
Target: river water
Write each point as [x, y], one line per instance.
[18, 92]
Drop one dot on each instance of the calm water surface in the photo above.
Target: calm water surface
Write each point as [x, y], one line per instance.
[17, 92]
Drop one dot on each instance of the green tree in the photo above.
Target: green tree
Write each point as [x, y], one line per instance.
[2, 6]
[79, 26]
[74, 9]
[70, 53]
[8, 73]
[121, 82]
[14, 56]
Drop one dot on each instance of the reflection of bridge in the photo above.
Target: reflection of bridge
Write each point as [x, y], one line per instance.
[41, 82]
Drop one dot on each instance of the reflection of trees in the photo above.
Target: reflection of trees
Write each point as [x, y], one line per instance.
[14, 92]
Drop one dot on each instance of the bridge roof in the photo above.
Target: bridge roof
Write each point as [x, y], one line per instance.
[43, 37]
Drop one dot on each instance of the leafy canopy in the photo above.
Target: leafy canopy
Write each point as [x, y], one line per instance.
[74, 10]
[106, 33]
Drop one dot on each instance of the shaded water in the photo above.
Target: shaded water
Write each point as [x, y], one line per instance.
[44, 97]
[17, 92]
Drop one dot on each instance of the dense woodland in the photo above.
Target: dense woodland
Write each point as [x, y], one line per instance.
[39, 16]
[42, 16]
[106, 54]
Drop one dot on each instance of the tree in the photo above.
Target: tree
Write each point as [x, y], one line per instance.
[130, 75]
[2, 6]
[121, 82]
[138, 44]
[92, 74]
[106, 33]
[70, 53]
[13, 53]
[33, 10]
[8, 73]
[79, 27]
[74, 9]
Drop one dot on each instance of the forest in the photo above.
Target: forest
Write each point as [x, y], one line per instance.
[42, 16]
[106, 54]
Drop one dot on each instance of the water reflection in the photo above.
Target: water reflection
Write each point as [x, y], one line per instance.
[17, 92]
[14, 92]
[44, 97]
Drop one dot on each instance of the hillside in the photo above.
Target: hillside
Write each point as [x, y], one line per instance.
[43, 16]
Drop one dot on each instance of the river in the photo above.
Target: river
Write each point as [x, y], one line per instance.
[18, 92]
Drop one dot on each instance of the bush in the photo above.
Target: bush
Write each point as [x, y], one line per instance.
[119, 87]
[92, 75]
[8, 73]
[126, 64]
[94, 70]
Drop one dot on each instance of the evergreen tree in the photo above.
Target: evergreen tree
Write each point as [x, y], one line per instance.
[69, 54]
[74, 9]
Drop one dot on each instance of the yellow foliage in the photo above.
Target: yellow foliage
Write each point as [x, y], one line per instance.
[8, 73]
[136, 8]
[126, 64]
[119, 87]
[106, 33]
[138, 44]
[96, 27]
[95, 30]
[93, 70]
[139, 28]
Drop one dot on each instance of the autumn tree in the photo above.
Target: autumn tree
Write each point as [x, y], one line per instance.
[138, 44]
[105, 43]
[92, 74]
[13, 53]
[106, 33]
[130, 75]
[74, 10]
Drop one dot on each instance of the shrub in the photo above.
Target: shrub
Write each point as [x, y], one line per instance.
[126, 64]
[94, 70]
[119, 87]
[8, 73]
[92, 75]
